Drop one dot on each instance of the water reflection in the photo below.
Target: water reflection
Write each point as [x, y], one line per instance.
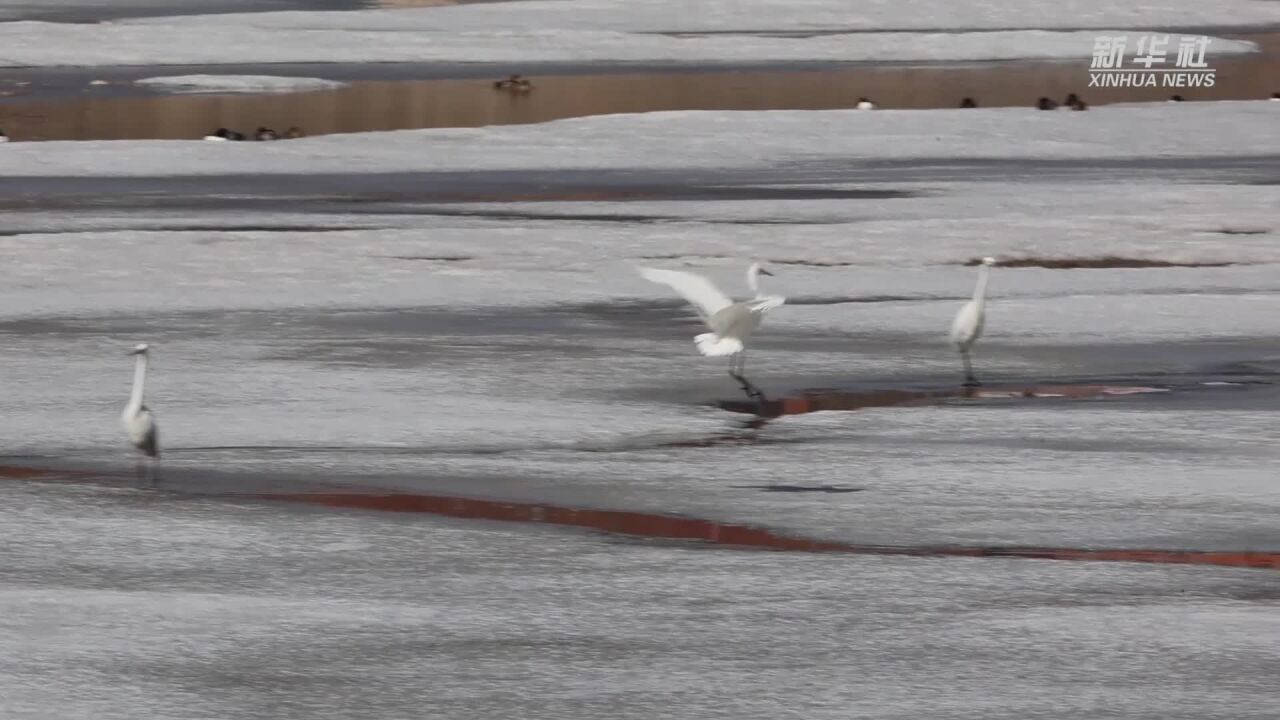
[371, 106]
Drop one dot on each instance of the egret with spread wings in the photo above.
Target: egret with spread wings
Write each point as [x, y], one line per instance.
[731, 323]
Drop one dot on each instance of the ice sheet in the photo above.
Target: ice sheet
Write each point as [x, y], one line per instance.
[508, 309]
[26, 44]
[237, 84]
[206, 609]
[905, 255]
[762, 16]
[515, 354]
[512, 351]
[698, 139]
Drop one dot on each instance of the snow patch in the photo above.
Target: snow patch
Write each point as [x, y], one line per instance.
[238, 84]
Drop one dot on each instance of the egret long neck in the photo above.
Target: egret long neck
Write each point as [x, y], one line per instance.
[139, 380]
[980, 292]
[753, 280]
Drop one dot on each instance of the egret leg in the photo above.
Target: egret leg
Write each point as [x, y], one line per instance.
[144, 469]
[737, 370]
[735, 366]
[969, 379]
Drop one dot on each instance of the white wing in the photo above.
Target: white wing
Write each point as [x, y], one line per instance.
[766, 303]
[698, 290]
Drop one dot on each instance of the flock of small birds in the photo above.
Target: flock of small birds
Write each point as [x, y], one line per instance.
[1072, 101]
[262, 133]
[517, 83]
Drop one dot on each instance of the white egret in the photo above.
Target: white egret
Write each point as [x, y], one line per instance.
[137, 419]
[731, 323]
[967, 327]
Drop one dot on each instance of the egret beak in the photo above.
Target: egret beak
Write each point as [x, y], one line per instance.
[765, 272]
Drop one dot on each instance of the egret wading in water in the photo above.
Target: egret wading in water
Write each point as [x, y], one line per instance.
[731, 323]
[967, 327]
[137, 419]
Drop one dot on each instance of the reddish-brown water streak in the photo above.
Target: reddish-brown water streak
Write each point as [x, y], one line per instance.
[689, 529]
[816, 400]
[673, 527]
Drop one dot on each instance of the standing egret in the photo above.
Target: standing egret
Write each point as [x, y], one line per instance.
[731, 323]
[137, 419]
[967, 327]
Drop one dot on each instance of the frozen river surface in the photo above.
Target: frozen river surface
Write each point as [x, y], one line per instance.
[484, 334]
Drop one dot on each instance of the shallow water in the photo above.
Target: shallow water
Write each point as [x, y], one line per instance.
[59, 104]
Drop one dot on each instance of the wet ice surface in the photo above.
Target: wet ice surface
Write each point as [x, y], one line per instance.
[301, 614]
[191, 608]
[364, 331]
